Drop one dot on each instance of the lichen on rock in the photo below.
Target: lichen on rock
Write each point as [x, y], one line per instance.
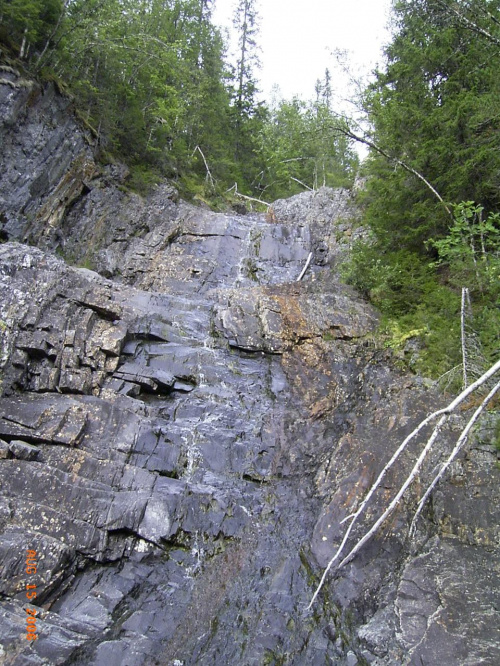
[184, 431]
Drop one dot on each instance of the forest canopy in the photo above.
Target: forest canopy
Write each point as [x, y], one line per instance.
[154, 81]
[433, 190]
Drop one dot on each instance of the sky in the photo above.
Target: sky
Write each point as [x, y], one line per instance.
[297, 38]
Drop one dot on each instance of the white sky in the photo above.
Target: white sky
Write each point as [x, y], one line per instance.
[297, 38]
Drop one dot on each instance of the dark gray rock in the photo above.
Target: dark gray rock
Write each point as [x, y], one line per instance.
[276, 319]
[183, 502]
[332, 218]
[180, 446]
[46, 161]
[24, 451]
[5, 451]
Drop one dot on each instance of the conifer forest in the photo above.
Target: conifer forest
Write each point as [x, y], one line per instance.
[153, 81]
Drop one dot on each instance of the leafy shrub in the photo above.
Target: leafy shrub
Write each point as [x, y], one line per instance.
[422, 300]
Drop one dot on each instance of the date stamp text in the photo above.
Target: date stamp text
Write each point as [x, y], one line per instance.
[31, 613]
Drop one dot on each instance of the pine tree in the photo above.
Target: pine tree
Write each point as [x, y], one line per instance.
[248, 113]
[323, 90]
[246, 25]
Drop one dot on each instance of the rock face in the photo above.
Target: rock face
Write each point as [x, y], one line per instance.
[182, 435]
[46, 159]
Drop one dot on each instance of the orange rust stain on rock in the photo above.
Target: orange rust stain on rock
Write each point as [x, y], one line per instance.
[295, 325]
[320, 408]
[357, 490]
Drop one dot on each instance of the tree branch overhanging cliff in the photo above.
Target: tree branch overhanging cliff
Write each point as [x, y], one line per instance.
[345, 128]
[443, 415]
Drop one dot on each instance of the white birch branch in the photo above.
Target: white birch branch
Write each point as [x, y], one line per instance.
[260, 201]
[301, 183]
[370, 493]
[465, 291]
[409, 480]
[439, 413]
[209, 174]
[244, 196]
[471, 25]
[396, 161]
[460, 442]
[305, 267]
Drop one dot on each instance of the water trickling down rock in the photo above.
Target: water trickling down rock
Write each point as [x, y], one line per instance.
[183, 432]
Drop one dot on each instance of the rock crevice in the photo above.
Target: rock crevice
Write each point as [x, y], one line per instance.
[183, 431]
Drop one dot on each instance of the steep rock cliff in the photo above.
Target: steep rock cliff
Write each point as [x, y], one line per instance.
[182, 436]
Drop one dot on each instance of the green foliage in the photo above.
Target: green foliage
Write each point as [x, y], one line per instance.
[435, 107]
[407, 290]
[149, 77]
[395, 282]
[142, 179]
[246, 23]
[422, 299]
[247, 115]
[471, 249]
[496, 432]
[470, 253]
[303, 147]
[29, 20]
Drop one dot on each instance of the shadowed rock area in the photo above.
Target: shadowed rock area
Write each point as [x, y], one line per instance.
[183, 432]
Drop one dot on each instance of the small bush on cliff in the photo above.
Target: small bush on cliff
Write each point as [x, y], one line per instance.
[413, 302]
[416, 294]
[435, 150]
[142, 179]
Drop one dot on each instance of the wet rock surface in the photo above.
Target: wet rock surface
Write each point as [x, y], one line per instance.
[46, 159]
[180, 444]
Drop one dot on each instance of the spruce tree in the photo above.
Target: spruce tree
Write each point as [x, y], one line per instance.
[435, 108]
[248, 114]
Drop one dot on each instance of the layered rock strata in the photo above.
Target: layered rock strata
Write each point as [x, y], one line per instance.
[182, 437]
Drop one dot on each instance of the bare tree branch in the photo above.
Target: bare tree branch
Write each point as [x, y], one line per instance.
[400, 493]
[395, 160]
[465, 294]
[209, 176]
[443, 413]
[243, 196]
[460, 442]
[301, 183]
[471, 25]
[305, 267]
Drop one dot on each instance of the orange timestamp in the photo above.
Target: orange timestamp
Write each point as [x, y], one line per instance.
[31, 613]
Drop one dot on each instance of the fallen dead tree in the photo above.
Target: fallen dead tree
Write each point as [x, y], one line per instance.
[441, 414]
